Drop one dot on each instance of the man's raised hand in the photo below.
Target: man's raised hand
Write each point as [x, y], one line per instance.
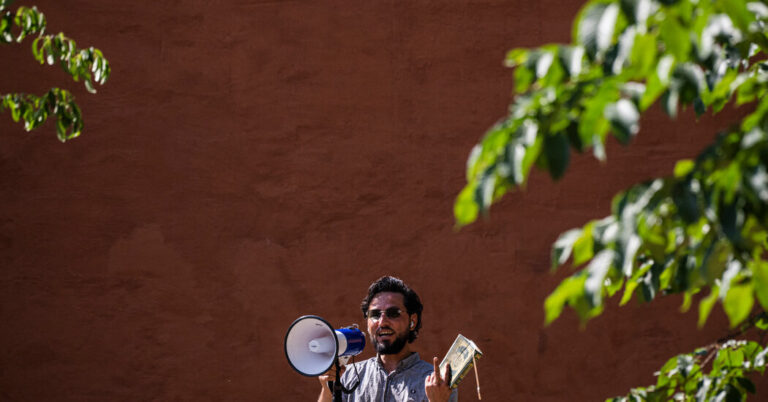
[437, 385]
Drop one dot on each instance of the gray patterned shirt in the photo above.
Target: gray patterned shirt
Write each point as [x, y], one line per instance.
[405, 384]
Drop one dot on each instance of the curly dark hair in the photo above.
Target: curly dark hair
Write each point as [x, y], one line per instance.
[396, 285]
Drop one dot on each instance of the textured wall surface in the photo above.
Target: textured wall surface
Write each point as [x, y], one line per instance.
[249, 162]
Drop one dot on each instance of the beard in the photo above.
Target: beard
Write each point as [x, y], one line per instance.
[391, 348]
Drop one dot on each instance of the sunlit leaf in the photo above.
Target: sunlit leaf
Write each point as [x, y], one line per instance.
[683, 167]
[738, 303]
[583, 247]
[675, 38]
[596, 27]
[759, 271]
[465, 210]
[596, 272]
[706, 304]
[561, 250]
[570, 289]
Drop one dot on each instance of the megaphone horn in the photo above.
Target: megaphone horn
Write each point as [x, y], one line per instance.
[312, 345]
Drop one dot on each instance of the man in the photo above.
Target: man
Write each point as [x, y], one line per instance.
[393, 319]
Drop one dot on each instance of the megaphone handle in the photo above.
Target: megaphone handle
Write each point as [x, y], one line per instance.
[337, 383]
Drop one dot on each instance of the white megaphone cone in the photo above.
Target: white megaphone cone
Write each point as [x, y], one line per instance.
[312, 345]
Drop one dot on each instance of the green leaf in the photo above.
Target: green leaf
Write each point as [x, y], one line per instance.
[753, 119]
[634, 282]
[683, 167]
[732, 394]
[523, 165]
[723, 89]
[629, 290]
[759, 271]
[685, 364]
[746, 384]
[690, 81]
[668, 370]
[658, 82]
[89, 86]
[687, 301]
[523, 78]
[596, 273]
[759, 360]
[669, 101]
[595, 28]
[572, 58]
[561, 250]
[730, 357]
[516, 57]
[737, 10]
[5, 3]
[747, 91]
[624, 118]
[731, 219]
[629, 252]
[738, 303]
[643, 56]
[569, 290]
[593, 125]
[706, 304]
[583, 247]
[675, 38]
[686, 201]
[613, 283]
[465, 210]
[555, 73]
[557, 152]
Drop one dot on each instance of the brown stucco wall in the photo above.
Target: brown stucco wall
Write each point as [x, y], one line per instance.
[253, 161]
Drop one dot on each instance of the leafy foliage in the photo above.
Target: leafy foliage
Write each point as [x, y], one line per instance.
[34, 111]
[88, 65]
[705, 226]
[684, 377]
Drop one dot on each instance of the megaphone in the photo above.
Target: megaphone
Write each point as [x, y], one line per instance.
[312, 346]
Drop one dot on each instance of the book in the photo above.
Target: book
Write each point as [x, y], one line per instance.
[461, 356]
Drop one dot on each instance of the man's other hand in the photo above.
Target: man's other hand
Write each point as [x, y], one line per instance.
[437, 384]
[326, 394]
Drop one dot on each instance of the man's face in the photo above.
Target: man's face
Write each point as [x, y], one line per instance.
[389, 335]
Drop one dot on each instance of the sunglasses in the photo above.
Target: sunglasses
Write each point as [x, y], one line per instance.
[391, 313]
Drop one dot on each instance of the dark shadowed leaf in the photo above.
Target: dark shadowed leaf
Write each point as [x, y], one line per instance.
[686, 201]
[624, 118]
[746, 384]
[557, 152]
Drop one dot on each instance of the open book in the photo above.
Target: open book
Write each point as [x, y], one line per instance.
[461, 356]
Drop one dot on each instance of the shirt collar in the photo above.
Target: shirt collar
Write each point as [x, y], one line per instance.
[404, 364]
